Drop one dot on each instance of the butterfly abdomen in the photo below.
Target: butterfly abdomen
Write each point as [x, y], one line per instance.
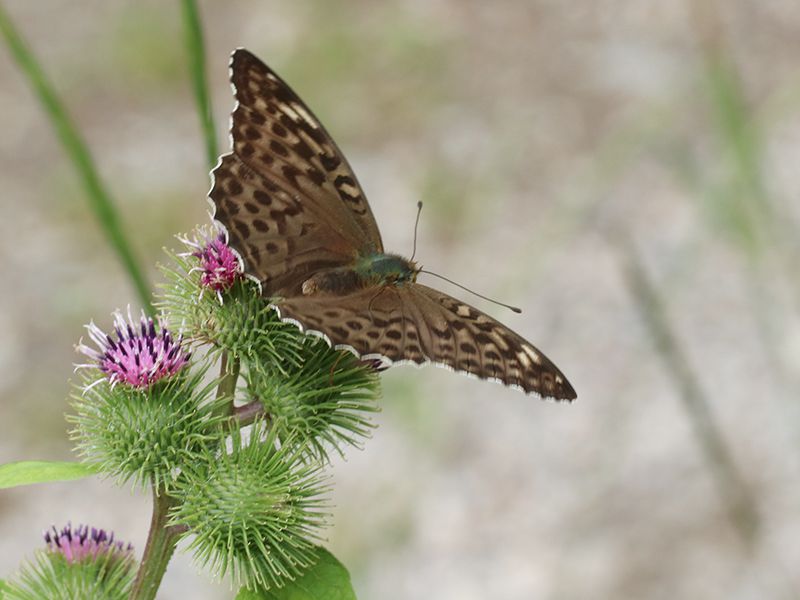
[334, 281]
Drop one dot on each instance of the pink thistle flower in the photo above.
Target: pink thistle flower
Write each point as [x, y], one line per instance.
[219, 266]
[140, 355]
[80, 543]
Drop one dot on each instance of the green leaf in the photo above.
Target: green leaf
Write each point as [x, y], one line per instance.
[41, 471]
[328, 579]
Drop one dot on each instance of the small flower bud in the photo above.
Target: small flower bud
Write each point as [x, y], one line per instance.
[254, 512]
[219, 266]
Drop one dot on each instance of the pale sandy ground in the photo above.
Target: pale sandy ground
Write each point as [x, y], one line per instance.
[535, 131]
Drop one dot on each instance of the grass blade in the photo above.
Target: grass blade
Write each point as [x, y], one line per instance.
[99, 200]
[731, 484]
[195, 48]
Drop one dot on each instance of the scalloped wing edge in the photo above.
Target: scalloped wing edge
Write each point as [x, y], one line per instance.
[212, 213]
[388, 362]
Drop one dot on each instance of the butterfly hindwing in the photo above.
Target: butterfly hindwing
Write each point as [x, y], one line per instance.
[418, 324]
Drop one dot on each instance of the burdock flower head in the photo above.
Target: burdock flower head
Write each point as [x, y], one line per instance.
[78, 562]
[80, 543]
[219, 266]
[139, 355]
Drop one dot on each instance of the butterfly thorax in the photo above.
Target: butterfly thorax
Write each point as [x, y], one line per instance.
[375, 270]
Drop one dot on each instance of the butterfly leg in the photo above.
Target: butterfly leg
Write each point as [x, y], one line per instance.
[375, 297]
[335, 364]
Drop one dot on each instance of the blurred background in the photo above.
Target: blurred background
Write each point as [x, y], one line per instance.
[626, 172]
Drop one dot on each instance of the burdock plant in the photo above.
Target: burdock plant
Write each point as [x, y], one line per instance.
[225, 413]
[235, 461]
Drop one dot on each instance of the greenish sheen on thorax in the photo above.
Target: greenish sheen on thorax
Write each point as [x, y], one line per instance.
[374, 270]
[386, 269]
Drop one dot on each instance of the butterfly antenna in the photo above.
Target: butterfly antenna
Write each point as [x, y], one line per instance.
[416, 224]
[466, 289]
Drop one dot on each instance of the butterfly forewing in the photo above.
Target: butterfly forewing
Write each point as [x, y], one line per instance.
[286, 195]
[277, 135]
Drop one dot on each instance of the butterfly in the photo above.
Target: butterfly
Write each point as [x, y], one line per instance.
[295, 213]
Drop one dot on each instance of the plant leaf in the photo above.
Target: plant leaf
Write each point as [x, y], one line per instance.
[328, 579]
[41, 471]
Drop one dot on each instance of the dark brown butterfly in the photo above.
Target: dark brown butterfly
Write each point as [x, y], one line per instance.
[298, 218]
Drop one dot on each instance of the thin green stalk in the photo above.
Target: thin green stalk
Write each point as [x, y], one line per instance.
[732, 487]
[99, 200]
[740, 135]
[197, 69]
[761, 228]
[161, 542]
[162, 538]
[229, 375]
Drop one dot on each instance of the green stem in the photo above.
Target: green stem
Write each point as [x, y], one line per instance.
[160, 546]
[229, 375]
[247, 414]
[197, 69]
[162, 538]
[733, 489]
[99, 199]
